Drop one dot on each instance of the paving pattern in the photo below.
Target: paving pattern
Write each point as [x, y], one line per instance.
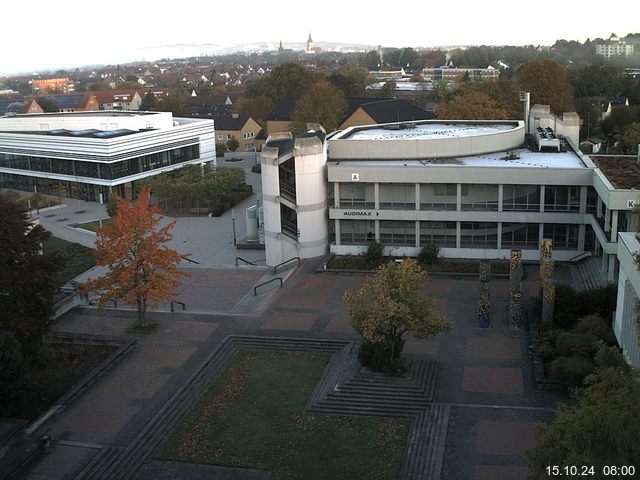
[481, 412]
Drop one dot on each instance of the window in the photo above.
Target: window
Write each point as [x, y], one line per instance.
[394, 232]
[480, 197]
[220, 137]
[562, 235]
[480, 235]
[521, 198]
[357, 195]
[562, 198]
[357, 232]
[520, 235]
[400, 196]
[438, 196]
[440, 234]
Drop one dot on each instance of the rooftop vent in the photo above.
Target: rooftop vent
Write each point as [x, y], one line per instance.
[512, 155]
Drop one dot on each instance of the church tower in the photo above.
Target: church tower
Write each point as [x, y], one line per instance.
[310, 44]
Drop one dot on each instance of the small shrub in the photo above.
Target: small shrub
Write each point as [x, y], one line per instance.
[564, 310]
[568, 343]
[374, 254]
[572, 370]
[597, 327]
[377, 356]
[610, 357]
[257, 168]
[428, 255]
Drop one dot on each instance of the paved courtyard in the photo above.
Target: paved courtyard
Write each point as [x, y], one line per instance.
[485, 375]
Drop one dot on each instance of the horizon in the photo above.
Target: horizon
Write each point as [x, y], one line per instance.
[89, 43]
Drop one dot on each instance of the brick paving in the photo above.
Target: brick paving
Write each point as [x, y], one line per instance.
[477, 368]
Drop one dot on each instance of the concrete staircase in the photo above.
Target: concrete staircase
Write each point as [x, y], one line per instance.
[342, 390]
[586, 273]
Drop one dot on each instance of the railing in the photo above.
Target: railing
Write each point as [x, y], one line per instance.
[245, 261]
[183, 305]
[275, 269]
[255, 289]
[580, 256]
[184, 257]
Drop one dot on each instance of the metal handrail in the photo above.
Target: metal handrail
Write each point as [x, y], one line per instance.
[245, 261]
[184, 257]
[255, 289]
[275, 269]
[580, 256]
[184, 306]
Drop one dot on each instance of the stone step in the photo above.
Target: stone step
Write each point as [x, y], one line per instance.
[101, 460]
[391, 402]
[437, 441]
[369, 411]
[371, 390]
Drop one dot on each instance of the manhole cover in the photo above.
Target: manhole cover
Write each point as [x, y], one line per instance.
[50, 215]
[80, 211]
[64, 219]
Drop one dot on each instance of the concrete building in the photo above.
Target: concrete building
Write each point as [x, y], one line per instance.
[450, 74]
[614, 47]
[475, 189]
[89, 155]
[625, 324]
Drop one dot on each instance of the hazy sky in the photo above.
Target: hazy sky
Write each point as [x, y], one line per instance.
[39, 35]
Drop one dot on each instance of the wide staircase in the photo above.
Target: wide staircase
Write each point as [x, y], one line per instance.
[586, 273]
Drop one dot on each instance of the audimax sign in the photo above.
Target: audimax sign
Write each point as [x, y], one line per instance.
[360, 213]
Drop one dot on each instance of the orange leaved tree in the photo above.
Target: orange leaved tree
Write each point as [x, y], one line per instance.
[143, 271]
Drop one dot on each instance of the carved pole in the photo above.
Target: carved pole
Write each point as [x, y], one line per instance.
[546, 262]
[483, 308]
[515, 289]
[548, 301]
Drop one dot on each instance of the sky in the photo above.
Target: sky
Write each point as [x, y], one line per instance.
[45, 35]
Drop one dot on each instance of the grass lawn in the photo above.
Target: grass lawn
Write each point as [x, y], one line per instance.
[93, 225]
[76, 258]
[253, 416]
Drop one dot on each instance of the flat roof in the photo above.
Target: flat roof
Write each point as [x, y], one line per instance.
[622, 171]
[418, 131]
[91, 113]
[517, 158]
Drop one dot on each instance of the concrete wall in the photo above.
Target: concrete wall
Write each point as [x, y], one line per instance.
[625, 325]
[419, 148]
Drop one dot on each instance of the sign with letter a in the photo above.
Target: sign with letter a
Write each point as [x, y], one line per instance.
[355, 177]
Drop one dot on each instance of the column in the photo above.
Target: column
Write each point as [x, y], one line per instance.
[458, 197]
[599, 208]
[542, 190]
[417, 196]
[500, 200]
[376, 195]
[607, 220]
[499, 244]
[336, 194]
[583, 199]
[337, 232]
[458, 234]
[377, 230]
[582, 232]
[614, 225]
[418, 233]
